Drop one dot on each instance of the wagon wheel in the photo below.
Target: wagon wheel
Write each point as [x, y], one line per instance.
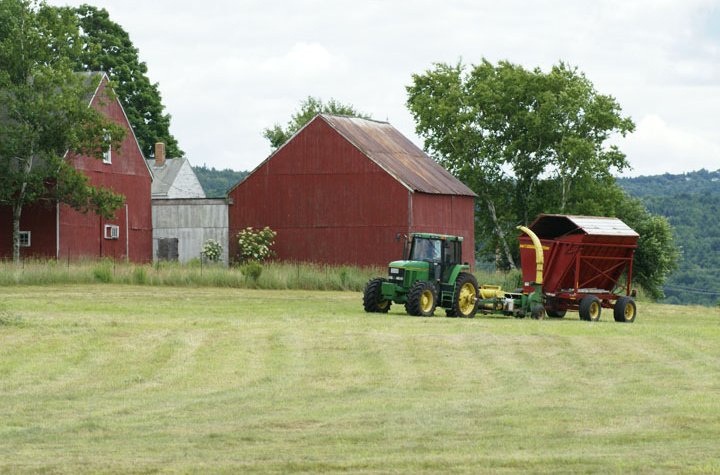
[590, 309]
[373, 301]
[553, 311]
[625, 310]
[465, 296]
[421, 300]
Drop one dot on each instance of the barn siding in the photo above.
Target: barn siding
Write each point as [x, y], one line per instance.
[446, 214]
[83, 234]
[191, 222]
[327, 201]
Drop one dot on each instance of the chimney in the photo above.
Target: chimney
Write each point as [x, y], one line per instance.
[159, 154]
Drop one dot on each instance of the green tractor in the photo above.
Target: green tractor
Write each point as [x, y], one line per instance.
[433, 275]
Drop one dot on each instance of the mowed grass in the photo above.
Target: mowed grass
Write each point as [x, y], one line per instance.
[137, 379]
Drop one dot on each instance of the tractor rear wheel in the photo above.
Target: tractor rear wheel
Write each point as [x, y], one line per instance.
[465, 300]
[537, 312]
[373, 301]
[625, 310]
[590, 309]
[421, 299]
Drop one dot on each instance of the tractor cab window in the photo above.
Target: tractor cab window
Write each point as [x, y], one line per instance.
[425, 249]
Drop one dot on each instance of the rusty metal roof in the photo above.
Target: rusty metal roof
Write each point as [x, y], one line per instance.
[393, 152]
[553, 225]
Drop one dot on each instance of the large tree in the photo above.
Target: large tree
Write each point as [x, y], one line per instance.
[527, 141]
[106, 46]
[44, 114]
[309, 108]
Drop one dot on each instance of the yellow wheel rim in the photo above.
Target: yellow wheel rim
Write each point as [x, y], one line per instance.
[383, 304]
[426, 301]
[594, 310]
[629, 311]
[466, 299]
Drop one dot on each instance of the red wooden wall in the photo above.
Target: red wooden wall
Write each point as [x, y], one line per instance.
[81, 235]
[329, 203]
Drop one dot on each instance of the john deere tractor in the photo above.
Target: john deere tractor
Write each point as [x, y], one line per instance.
[432, 275]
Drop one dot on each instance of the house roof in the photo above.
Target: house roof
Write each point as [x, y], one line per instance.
[397, 155]
[554, 225]
[166, 174]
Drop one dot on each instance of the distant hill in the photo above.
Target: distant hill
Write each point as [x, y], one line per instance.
[691, 202]
[216, 183]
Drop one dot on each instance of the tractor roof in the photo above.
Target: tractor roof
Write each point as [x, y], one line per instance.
[443, 237]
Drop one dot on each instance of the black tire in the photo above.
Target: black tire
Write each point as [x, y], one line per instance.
[421, 300]
[450, 313]
[625, 310]
[465, 296]
[590, 309]
[537, 312]
[372, 297]
[552, 309]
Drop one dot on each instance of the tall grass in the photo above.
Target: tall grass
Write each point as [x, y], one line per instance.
[274, 275]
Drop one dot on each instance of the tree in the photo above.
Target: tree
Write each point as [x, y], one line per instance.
[44, 114]
[106, 46]
[309, 108]
[521, 139]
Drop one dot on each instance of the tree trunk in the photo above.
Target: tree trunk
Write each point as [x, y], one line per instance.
[500, 233]
[17, 211]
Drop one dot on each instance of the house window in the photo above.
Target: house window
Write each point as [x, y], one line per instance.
[112, 231]
[107, 154]
[24, 238]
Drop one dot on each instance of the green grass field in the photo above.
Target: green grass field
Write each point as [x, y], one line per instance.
[137, 379]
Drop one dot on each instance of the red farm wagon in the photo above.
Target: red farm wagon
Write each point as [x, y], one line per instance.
[585, 265]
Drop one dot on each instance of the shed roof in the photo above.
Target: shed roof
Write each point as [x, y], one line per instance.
[397, 155]
[554, 225]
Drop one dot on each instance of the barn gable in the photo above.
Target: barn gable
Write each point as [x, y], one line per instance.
[344, 190]
[58, 231]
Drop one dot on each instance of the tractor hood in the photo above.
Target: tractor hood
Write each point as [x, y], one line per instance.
[411, 265]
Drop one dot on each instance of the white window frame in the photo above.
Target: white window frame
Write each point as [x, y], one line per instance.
[112, 231]
[107, 155]
[25, 238]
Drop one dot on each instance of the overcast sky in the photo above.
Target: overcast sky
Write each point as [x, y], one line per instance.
[228, 69]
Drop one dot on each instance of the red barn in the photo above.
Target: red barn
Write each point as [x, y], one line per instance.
[344, 190]
[54, 230]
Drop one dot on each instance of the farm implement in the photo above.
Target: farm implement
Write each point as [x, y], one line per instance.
[568, 263]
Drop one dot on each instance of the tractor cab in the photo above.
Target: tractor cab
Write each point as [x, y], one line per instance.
[431, 274]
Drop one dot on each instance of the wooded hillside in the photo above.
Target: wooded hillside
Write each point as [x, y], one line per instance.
[691, 202]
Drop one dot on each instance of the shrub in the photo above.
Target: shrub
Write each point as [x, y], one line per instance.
[255, 245]
[212, 250]
[251, 270]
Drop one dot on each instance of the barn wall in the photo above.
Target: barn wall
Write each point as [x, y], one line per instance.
[82, 235]
[327, 201]
[40, 220]
[191, 222]
[446, 214]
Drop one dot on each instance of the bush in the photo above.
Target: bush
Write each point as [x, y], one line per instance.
[212, 250]
[255, 245]
[251, 270]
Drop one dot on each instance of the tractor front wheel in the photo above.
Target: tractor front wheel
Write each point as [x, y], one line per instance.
[465, 298]
[625, 310]
[373, 301]
[590, 309]
[421, 299]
